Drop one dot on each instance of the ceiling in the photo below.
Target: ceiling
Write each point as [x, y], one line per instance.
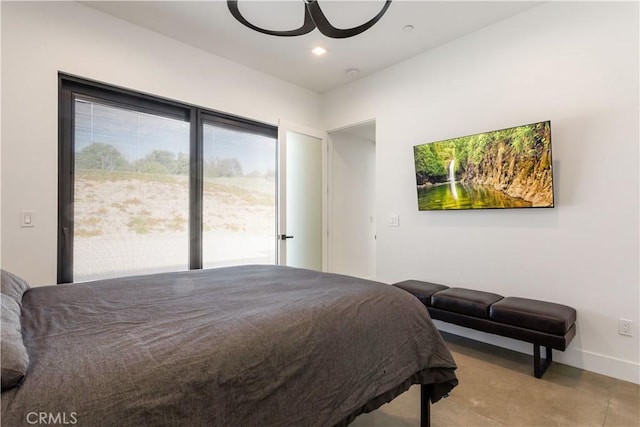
[209, 25]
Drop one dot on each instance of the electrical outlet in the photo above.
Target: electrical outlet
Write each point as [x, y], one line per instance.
[625, 327]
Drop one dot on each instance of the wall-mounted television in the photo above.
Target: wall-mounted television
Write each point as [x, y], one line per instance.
[502, 169]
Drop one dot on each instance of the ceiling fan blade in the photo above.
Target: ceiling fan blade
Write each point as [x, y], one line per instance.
[329, 30]
[306, 27]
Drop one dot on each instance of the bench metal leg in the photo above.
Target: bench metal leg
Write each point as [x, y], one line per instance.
[540, 366]
[425, 405]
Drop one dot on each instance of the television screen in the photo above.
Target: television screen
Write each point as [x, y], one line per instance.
[508, 168]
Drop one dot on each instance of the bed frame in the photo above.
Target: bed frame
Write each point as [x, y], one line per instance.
[425, 405]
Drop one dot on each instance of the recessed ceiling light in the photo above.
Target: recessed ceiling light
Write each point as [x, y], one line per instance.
[352, 71]
[407, 28]
[319, 51]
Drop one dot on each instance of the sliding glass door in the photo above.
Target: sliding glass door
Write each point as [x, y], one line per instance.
[131, 192]
[150, 185]
[239, 196]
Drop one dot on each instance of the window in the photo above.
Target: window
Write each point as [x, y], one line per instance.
[239, 197]
[150, 185]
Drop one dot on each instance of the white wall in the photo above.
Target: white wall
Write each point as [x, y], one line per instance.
[575, 64]
[352, 205]
[40, 39]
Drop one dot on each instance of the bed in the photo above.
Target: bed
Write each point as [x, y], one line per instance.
[235, 346]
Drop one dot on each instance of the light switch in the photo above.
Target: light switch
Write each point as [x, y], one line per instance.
[394, 221]
[26, 219]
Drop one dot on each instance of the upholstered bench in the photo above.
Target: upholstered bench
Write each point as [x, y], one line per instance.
[538, 322]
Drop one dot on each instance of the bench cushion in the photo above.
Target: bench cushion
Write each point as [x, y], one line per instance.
[423, 290]
[465, 301]
[533, 314]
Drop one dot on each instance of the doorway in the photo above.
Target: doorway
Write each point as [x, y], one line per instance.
[352, 237]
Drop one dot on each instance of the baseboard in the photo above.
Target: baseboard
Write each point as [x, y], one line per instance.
[625, 370]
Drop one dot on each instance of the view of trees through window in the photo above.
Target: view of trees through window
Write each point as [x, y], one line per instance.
[239, 197]
[131, 194]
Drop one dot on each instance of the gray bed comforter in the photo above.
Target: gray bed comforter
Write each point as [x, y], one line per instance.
[237, 346]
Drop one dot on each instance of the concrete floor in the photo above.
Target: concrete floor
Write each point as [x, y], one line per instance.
[497, 388]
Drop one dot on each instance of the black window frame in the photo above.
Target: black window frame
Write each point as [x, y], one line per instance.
[70, 86]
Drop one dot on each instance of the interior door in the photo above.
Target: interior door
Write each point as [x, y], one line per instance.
[302, 196]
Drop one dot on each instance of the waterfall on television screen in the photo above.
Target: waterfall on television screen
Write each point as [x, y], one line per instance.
[500, 169]
[452, 179]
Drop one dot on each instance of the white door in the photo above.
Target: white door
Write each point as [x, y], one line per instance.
[302, 196]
